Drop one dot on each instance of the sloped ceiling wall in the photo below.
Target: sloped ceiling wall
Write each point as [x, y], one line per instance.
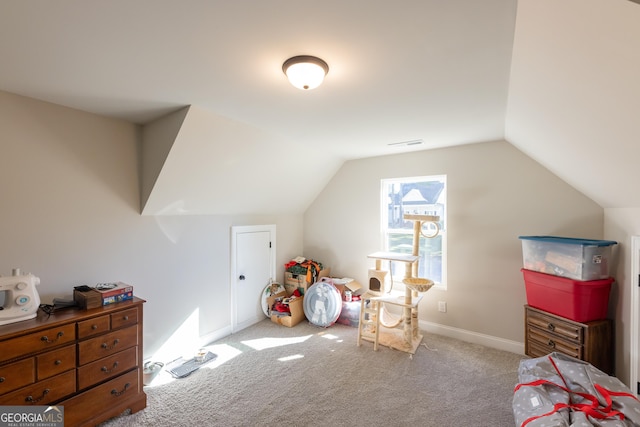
[573, 106]
[574, 95]
[196, 162]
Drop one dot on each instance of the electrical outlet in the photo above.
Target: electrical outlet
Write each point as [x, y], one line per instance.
[442, 306]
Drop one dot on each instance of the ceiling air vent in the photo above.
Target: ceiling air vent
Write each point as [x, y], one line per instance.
[407, 143]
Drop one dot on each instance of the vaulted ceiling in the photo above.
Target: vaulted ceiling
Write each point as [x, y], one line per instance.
[556, 78]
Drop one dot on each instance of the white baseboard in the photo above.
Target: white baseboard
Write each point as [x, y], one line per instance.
[473, 337]
[215, 335]
[434, 328]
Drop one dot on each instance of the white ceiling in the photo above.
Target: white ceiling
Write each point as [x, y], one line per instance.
[416, 69]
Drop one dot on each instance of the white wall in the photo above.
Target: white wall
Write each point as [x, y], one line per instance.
[69, 191]
[495, 194]
[574, 94]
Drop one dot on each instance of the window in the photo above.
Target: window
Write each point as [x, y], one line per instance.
[425, 195]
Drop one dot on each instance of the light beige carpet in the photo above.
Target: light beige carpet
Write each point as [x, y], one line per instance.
[270, 375]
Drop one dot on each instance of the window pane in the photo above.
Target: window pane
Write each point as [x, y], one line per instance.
[418, 195]
[430, 263]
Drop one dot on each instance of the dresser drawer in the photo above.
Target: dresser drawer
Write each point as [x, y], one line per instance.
[43, 392]
[106, 368]
[18, 374]
[92, 327]
[107, 344]
[539, 350]
[109, 394]
[550, 342]
[124, 318]
[37, 341]
[560, 327]
[590, 341]
[536, 350]
[56, 361]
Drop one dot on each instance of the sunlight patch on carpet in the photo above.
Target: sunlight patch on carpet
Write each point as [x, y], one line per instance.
[270, 342]
[224, 353]
[292, 357]
[330, 337]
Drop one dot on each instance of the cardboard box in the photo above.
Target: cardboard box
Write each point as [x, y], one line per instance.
[112, 299]
[344, 284]
[117, 289]
[295, 281]
[118, 293]
[354, 287]
[299, 281]
[295, 306]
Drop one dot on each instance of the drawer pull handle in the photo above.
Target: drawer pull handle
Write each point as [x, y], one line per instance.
[120, 393]
[551, 327]
[551, 344]
[107, 370]
[30, 399]
[58, 362]
[1, 379]
[125, 318]
[108, 347]
[47, 340]
[94, 327]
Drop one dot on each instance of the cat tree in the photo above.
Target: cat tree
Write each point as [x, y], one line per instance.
[372, 306]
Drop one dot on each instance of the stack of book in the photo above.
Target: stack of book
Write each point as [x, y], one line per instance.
[111, 293]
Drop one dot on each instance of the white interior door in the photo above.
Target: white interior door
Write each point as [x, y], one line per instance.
[253, 267]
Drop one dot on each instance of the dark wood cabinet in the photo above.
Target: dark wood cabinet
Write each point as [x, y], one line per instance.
[589, 341]
[89, 361]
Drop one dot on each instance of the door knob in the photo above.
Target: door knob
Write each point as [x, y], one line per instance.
[241, 277]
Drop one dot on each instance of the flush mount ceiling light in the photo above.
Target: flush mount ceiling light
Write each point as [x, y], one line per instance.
[305, 72]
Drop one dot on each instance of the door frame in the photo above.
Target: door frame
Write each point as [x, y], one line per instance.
[634, 327]
[235, 230]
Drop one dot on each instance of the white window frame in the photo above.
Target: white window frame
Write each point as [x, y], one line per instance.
[384, 230]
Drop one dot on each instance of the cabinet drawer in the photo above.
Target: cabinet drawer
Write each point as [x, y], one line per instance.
[553, 342]
[37, 341]
[124, 318]
[43, 392]
[107, 368]
[538, 350]
[56, 361]
[95, 326]
[565, 329]
[18, 374]
[109, 394]
[107, 344]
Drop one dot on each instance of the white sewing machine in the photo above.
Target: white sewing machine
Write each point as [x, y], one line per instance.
[19, 299]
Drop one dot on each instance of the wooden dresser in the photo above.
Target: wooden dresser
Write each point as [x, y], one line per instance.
[88, 361]
[589, 341]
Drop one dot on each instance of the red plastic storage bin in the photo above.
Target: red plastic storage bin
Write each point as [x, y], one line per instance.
[582, 301]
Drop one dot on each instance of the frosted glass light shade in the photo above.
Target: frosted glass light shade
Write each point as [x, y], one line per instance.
[305, 72]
